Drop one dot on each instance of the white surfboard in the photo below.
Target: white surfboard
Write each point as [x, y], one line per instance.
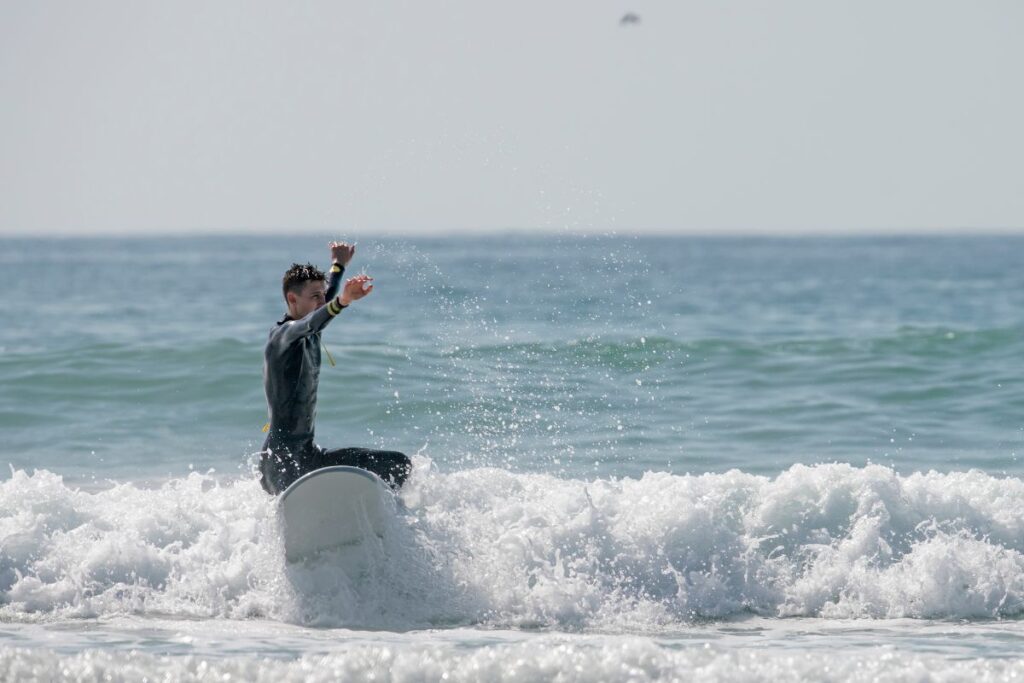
[329, 508]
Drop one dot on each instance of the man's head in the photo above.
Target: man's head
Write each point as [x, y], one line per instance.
[304, 289]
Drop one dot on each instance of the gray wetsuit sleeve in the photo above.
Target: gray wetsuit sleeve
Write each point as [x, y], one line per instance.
[311, 324]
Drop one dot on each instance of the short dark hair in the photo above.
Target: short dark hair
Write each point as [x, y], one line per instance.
[298, 275]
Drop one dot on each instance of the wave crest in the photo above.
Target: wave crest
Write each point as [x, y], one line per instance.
[493, 547]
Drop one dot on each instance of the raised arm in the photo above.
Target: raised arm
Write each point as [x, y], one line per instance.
[341, 254]
[354, 290]
[293, 330]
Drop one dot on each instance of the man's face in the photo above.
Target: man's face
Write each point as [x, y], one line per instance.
[309, 299]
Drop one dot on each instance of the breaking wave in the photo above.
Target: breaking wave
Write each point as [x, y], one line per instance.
[490, 547]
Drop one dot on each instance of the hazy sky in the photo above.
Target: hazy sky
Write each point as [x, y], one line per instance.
[708, 116]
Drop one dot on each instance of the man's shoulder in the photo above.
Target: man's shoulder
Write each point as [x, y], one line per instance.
[282, 324]
[277, 331]
[277, 335]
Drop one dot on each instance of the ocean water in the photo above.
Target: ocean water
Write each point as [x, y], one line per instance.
[636, 458]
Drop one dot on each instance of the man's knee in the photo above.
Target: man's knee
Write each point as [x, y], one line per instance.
[400, 466]
[277, 472]
[267, 478]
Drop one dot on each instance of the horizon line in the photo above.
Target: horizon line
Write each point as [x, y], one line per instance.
[739, 233]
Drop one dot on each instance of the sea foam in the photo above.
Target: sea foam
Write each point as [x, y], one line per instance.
[492, 547]
[547, 659]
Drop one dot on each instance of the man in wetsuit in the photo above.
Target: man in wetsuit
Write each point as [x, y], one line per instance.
[291, 373]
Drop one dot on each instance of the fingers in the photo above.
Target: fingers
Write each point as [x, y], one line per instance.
[360, 283]
[359, 286]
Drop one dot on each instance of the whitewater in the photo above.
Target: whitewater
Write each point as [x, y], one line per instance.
[787, 460]
[488, 548]
[483, 567]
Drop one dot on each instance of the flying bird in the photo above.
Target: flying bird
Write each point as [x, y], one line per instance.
[629, 18]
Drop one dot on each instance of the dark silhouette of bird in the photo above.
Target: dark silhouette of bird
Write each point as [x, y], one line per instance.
[629, 18]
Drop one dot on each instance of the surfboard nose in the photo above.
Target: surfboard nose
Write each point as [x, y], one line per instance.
[329, 508]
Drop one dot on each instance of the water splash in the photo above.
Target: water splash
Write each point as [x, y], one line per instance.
[486, 546]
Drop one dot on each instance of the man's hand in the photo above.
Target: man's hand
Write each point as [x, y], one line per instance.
[355, 289]
[342, 252]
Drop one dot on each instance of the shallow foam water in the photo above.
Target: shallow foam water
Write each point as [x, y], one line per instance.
[636, 459]
[828, 571]
[497, 549]
[742, 652]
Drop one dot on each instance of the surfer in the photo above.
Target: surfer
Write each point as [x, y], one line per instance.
[291, 373]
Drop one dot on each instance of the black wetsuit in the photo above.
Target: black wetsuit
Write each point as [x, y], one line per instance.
[291, 374]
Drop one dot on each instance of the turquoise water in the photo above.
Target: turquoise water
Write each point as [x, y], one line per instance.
[582, 356]
[657, 453]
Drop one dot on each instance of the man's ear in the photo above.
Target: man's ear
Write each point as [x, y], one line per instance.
[290, 298]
